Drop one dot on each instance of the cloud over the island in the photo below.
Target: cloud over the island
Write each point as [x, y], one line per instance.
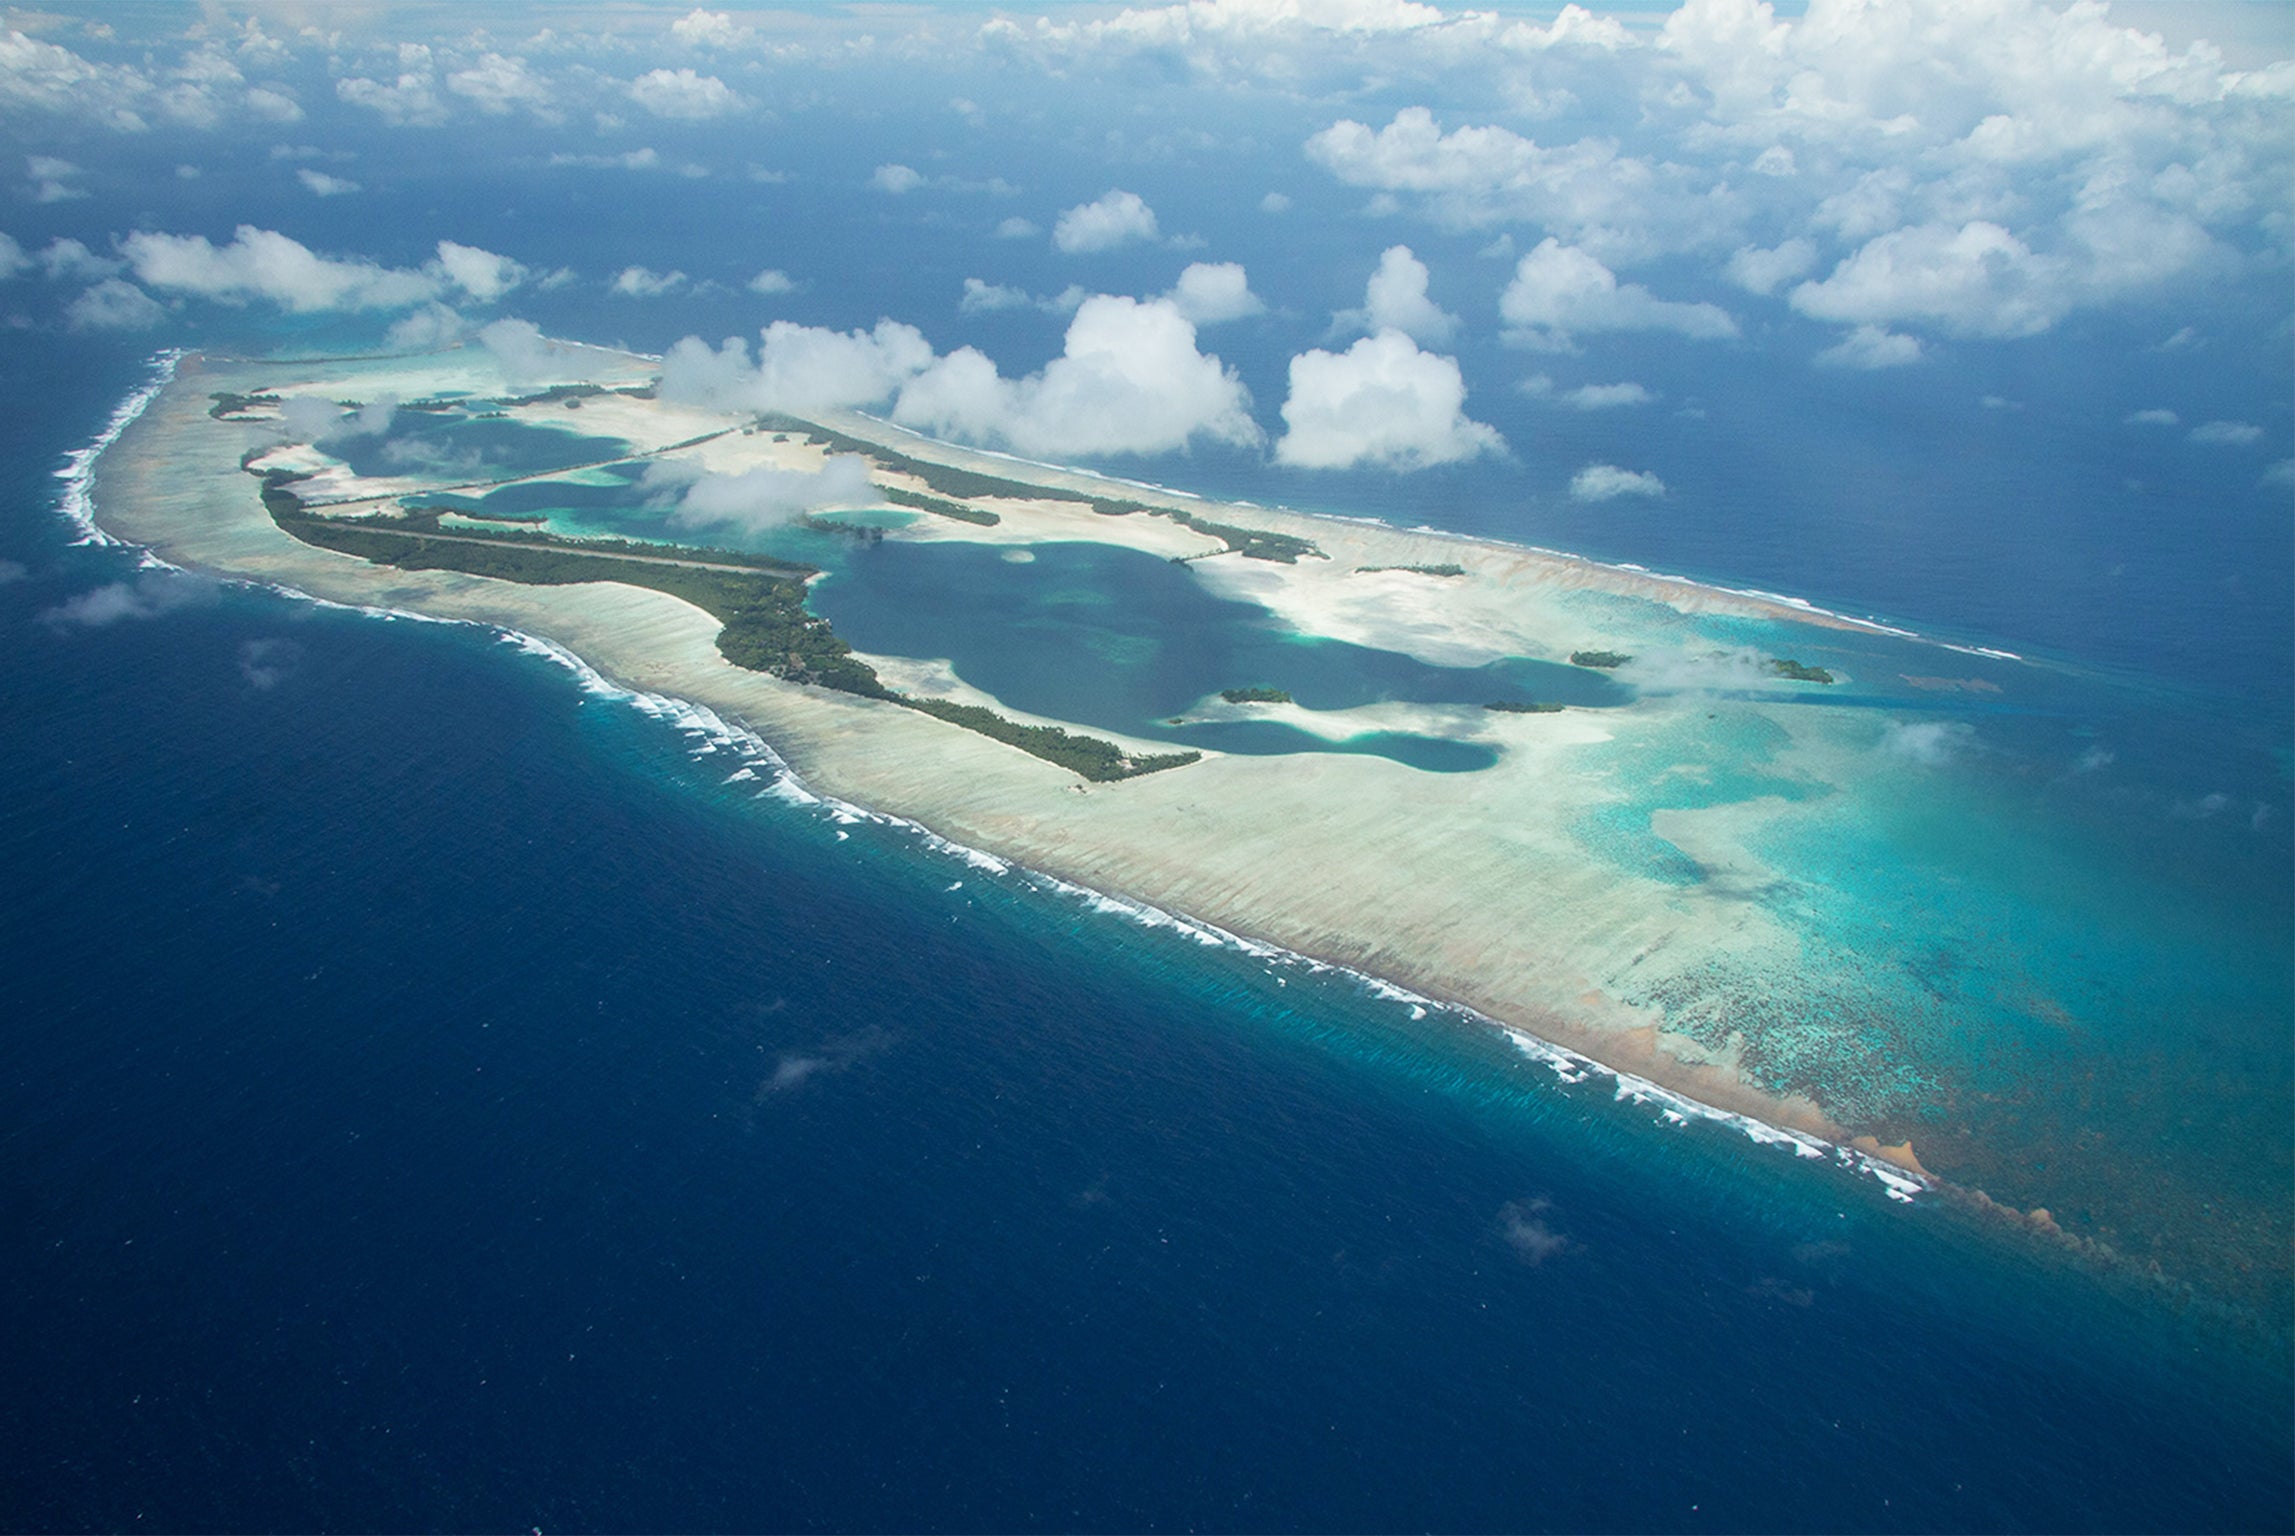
[264, 265]
[1382, 402]
[758, 498]
[1129, 379]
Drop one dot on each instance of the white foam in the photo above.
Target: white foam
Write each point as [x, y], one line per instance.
[78, 501]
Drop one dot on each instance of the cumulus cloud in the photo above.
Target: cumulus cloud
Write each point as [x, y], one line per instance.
[409, 99]
[1116, 218]
[1870, 347]
[526, 356]
[1977, 280]
[1605, 397]
[896, 179]
[772, 281]
[479, 273]
[1559, 290]
[645, 283]
[1395, 299]
[1381, 402]
[2227, 434]
[698, 28]
[1765, 271]
[497, 85]
[1607, 482]
[65, 259]
[685, 96]
[1017, 228]
[758, 498]
[54, 180]
[113, 305]
[324, 185]
[797, 368]
[643, 159]
[264, 264]
[2157, 417]
[1129, 379]
[1209, 293]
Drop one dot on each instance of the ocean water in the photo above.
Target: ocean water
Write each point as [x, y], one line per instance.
[441, 1094]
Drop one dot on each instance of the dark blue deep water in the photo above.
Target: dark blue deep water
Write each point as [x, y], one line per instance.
[431, 1096]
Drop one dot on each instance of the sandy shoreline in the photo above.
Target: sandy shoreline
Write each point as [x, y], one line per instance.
[1469, 888]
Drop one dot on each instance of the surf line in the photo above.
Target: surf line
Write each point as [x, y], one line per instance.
[712, 733]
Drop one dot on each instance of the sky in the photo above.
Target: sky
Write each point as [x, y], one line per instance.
[1332, 251]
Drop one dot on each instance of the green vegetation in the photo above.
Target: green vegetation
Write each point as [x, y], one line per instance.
[1787, 668]
[1523, 707]
[1415, 570]
[1599, 658]
[1255, 695]
[940, 505]
[228, 405]
[759, 604]
[1085, 756]
[970, 485]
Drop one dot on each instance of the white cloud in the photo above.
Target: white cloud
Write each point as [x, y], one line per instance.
[2227, 434]
[146, 597]
[1017, 228]
[646, 159]
[1210, 293]
[1978, 280]
[1765, 271]
[798, 368]
[1928, 743]
[63, 259]
[1870, 347]
[264, 264]
[1606, 397]
[1114, 219]
[1128, 380]
[54, 180]
[2157, 417]
[759, 498]
[1395, 300]
[645, 283]
[698, 28]
[113, 305]
[409, 100]
[426, 329]
[526, 356]
[1275, 202]
[498, 85]
[772, 280]
[982, 297]
[896, 179]
[310, 419]
[1607, 482]
[324, 185]
[1559, 290]
[1382, 402]
[481, 274]
[2280, 474]
[684, 95]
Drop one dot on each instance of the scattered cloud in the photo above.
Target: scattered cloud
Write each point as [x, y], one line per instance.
[2157, 417]
[645, 283]
[149, 596]
[797, 368]
[1870, 347]
[1605, 397]
[67, 260]
[896, 179]
[698, 28]
[1928, 743]
[1765, 271]
[772, 280]
[262, 264]
[309, 419]
[497, 85]
[685, 96]
[1607, 482]
[113, 305]
[1560, 291]
[645, 159]
[1114, 219]
[265, 664]
[1275, 202]
[1382, 402]
[982, 298]
[2227, 434]
[479, 273]
[1017, 228]
[54, 180]
[324, 185]
[1523, 1227]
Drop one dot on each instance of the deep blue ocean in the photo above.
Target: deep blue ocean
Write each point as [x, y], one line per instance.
[435, 1097]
